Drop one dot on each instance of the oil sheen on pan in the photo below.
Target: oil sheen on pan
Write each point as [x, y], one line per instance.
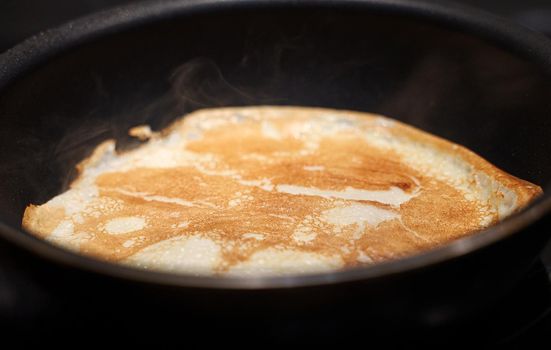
[261, 191]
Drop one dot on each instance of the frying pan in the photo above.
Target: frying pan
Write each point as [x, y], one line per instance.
[467, 76]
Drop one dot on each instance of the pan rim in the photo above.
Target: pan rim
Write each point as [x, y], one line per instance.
[39, 48]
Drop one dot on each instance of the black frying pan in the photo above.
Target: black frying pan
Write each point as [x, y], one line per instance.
[467, 76]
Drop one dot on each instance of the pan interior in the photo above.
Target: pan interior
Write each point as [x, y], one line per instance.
[453, 85]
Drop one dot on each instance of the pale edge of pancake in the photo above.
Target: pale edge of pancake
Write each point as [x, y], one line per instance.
[478, 179]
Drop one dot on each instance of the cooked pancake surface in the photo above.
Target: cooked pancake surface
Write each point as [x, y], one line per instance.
[276, 190]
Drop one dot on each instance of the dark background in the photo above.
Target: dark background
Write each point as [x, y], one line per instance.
[20, 19]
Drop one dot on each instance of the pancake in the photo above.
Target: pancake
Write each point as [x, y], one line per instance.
[260, 191]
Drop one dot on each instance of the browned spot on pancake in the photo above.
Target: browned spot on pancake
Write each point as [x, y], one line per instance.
[242, 140]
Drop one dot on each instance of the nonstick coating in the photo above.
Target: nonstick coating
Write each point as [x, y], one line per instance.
[466, 76]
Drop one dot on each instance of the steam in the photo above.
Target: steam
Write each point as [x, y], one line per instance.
[200, 83]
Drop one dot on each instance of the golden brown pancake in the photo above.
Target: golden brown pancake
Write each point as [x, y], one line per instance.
[276, 190]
